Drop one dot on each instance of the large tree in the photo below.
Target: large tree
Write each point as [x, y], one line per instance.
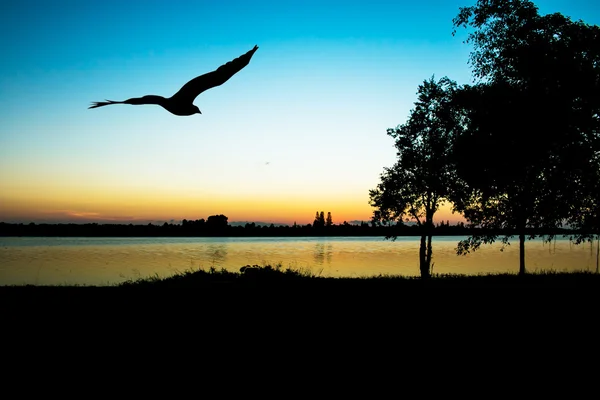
[418, 183]
[531, 122]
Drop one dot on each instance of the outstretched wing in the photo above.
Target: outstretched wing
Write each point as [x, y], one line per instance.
[193, 88]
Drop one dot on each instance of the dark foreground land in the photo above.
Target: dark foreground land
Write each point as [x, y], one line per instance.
[274, 290]
[222, 319]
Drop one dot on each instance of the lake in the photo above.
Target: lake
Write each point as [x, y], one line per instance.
[107, 261]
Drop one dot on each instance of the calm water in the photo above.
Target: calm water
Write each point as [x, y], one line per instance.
[104, 261]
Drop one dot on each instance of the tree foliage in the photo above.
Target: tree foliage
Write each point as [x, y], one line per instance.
[217, 222]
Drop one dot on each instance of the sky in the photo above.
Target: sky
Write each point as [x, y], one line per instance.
[301, 129]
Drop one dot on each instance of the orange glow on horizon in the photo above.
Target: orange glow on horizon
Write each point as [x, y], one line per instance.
[142, 208]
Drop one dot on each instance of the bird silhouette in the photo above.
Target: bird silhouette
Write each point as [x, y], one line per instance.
[181, 103]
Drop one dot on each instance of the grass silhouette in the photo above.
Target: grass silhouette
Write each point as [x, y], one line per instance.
[268, 275]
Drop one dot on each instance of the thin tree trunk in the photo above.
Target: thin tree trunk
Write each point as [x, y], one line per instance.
[429, 254]
[426, 243]
[521, 254]
[597, 252]
[423, 265]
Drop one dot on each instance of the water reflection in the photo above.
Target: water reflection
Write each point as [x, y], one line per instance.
[322, 253]
[214, 254]
[101, 261]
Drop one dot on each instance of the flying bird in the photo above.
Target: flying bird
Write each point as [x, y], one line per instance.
[181, 103]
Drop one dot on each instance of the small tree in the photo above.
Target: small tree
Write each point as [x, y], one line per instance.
[329, 221]
[419, 182]
[319, 221]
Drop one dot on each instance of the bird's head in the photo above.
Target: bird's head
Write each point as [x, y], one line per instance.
[197, 110]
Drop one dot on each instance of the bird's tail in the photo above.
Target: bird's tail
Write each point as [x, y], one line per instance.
[97, 104]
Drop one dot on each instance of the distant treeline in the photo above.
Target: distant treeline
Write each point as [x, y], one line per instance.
[218, 226]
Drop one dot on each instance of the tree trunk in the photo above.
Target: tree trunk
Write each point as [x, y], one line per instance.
[426, 251]
[597, 252]
[429, 254]
[423, 262]
[521, 254]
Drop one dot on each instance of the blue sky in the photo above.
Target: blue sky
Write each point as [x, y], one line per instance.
[300, 129]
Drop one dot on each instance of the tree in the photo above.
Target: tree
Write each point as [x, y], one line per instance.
[329, 221]
[420, 180]
[536, 106]
[217, 223]
[319, 221]
[316, 221]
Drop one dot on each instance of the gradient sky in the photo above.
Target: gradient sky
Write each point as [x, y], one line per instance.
[302, 128]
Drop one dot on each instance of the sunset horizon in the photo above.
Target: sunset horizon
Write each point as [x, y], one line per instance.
[73, 216]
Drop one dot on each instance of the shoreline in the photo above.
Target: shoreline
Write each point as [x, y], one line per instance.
[276, 277]
[236, 303]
